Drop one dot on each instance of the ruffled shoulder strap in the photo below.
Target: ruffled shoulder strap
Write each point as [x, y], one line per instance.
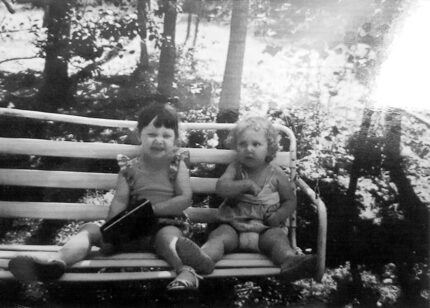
[180, 155]
[123, 161]
[125, 164]
[184, 155]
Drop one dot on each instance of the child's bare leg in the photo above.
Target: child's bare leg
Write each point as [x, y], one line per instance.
[222, 240]
[165, 247]
[79, 245]
[192, 255]
[29, 268]
[275, 244]
[164, 244]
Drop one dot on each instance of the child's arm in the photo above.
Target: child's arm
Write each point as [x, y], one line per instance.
[228, 187]
[120, 198]
[176, 205]
[288, 199]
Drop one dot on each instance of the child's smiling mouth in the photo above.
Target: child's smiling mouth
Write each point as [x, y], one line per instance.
[157, 149]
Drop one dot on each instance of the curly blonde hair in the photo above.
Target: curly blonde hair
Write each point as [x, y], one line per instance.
[256, 123]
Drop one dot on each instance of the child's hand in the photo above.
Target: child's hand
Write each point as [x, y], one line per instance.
[253, 188]
[272, 220]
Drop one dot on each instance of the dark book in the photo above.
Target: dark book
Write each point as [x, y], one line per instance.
[129, 224]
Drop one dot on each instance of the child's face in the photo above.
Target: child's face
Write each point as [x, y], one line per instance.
[252, 148]
[157, 142]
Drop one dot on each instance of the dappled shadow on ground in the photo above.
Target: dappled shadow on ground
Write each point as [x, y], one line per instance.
[228, 292]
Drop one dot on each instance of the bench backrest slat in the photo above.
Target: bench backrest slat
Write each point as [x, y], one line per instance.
[52, 210]
[81, 180]
[22, 146]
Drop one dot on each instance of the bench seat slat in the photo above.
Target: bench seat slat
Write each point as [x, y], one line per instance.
[98, 150]
[134, 276]
[22, 247]
[114, 263]
[81, 180]
[7, 254]
[96, 255]
[109, 263]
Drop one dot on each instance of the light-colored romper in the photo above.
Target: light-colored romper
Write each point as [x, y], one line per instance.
[247, 212]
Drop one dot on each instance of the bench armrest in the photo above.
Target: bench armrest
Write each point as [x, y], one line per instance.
[322, 226]
[205, 215]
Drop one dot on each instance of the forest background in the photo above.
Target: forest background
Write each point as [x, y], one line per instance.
[324, 68]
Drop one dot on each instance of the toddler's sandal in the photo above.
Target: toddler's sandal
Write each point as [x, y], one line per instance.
[182, 284]
[30, 268]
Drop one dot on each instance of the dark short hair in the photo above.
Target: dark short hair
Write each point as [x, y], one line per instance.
[164, 115]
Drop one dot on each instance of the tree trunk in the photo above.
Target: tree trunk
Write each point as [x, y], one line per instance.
[166, 71]
[350, 211]
[359, 153]
[189, 23]
[409, 202]
[55, 92]
[415, 212]
[141, 74]
[193, 7]
[232, 81]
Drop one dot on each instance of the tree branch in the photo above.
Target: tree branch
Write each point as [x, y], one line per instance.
[418, 117]
[87, 71]
[15, 30]
[8, 6]
[18, 58]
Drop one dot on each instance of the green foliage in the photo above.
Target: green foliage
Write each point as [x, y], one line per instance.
[94, 31]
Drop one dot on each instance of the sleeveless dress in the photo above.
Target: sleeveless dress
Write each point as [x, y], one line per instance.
[247, 212]
[154, 185]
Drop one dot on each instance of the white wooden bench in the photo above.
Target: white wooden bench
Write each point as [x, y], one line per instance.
[125, 266]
